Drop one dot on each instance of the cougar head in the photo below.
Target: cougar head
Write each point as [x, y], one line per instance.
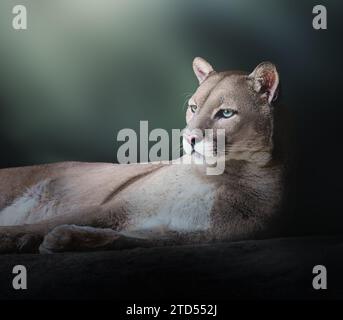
[240, 103]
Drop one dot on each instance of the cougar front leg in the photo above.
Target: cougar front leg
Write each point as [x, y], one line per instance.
[77, 238]
[80, 238]
[27, 238]
[36, 238]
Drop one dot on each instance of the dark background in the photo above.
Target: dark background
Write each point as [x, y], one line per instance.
[86, 69]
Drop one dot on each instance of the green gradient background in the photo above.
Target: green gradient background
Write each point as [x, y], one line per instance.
[87, 68]
[84, 70]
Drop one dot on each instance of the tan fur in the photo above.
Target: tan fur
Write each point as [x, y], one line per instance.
[88, 206]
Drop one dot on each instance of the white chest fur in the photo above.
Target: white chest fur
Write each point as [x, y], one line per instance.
[173, 199]
[29, 207]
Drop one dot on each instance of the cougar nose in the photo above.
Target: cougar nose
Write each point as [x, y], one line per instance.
[192, 139]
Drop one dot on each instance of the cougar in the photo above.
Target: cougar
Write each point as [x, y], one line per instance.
[75, 206]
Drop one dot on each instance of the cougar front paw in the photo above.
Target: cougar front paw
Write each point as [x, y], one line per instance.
[58, 240]
[77, 238]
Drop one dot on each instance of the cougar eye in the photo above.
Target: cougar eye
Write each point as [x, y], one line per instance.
[226, 113]
[193, 107]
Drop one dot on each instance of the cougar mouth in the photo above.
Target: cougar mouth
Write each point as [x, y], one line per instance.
[198, 158]
[201, 151]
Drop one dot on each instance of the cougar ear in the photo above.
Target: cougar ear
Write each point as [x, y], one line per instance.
[202, 69]
[266, 80]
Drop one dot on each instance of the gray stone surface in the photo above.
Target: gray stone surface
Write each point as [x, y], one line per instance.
[263, 269]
